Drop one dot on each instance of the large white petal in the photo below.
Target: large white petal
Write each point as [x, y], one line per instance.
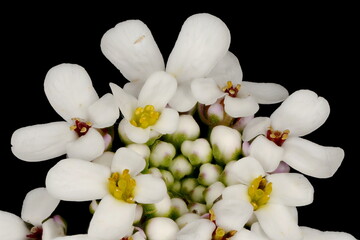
[125, 101]
[113, 219]
[266, 93]
[247, 169]
[255, 127]
[87, 147]
[12, 227]
[149, 189]
[240, 107]
[131, 47]
[168, 121]
[202, 42]
[77, 237]
[104, 112]
[312, 159]
[37, 206]
[77, 180]
[42, 141]
[314, 234]
[158, 89]
[201, 229]
[126, 158]
[206, 90]
[237, 191]
[133, 87]
[302, 113]
[290, 189]
[183, 100]
[278, 222]
[52, 229]
[136, 134]
[245, 234]
[69, 90]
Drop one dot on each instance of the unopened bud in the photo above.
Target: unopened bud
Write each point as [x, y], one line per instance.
[186, 218]
[209, 173]
[178, 207]
[198, 208]
[188, 129]
[212, 193]
[160, 209]
[167, 177]
[162, 154]
[228, 177]
[161, 228]
[197, 195]
[180, 167]
[188, 185]
[198, 151]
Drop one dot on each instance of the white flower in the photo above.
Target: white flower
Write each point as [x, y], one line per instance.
[161, 228]
[240, 98]
[272, 197]
[148, 113]
[38, 205]
[119, 188]
[280, 136]
[69, 90]
[203, 41]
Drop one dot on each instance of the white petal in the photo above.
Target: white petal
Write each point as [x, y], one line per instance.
[125, 101]
[290, 189]
[201, 229]
[37, 206]
[126, 158]
[105, 159]
[312, 159]
[232, 214]
[42, 141]
[314, 234]
[12, 227]
[161, 228]
[77, 180]
[77, 237]
[278, 223]
[247, 169]
[245, 234]
[158, 89]
[168, 121]
[240, 107]
[237, 191]
[206, 90]
[133, 88]
[266, 93]
[112, 219]
[266, 152]
[52, 229]
[136, 134]
[183, 100]
[69, 90]
[302, 113]
[104, 112]
[131, 47]
[87, 147]
[149, 189]
[203, 40]
[255, 127]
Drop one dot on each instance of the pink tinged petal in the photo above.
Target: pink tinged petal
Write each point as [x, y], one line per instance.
[158, 89]
[168, 121]
[136, 134]
[232, 214]
[206, 90]
[131, 47]
[125, 101]
[256, 126]
[149, 189]
[37, 206]
[69, 90]
[278, 222]
[201, 229]
[12, 227]
[314, 234]
[183, 100]
[267, 153]
[240, 107]
[52, 229]
[126, 158]
[104, 112]
[113, 219]
[202, 42]
[238, 192]
[290, 189]
[42, 141]
[87, 147]
[77, 180]
[266, 93]
[302, 113]
[247, 169]
[312, 159]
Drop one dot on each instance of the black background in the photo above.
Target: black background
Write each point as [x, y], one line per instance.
[299, 47]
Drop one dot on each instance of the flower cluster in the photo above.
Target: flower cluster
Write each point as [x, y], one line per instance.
[195, 161]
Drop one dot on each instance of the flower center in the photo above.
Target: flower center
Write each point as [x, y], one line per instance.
[35, 233]
[259, 192]
[276, 136]
[80, 126]
[145, 117]
[219, 233]
[230, 89]
[122, 186]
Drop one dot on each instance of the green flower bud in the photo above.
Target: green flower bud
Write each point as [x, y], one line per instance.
[176, 188]
[178, 208]
[162, 154]
[186, 218]
[198, 208]
[160, 209]
[227, 176]
[188, 129]
[180, 167]
[198, 151]
[188, 185]
[168, 178]
[197, 195]
[209, 173]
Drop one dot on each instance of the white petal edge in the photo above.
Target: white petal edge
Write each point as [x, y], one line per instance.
[314, 234]
[12, 227]
[104, 112]
[237, 191]
[77, 237]
[52, 229]
[183, 99]
[206, 90]
[247, 169]
[168, 121]
[136, 134]
[201, 229]
[266, 93]
[245, 234]
[149, 189]
[125, 101]
[240, 107]
[126, 158]
[255, 127]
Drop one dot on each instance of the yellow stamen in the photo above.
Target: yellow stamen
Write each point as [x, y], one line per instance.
[145, 117]
[229, 84]
[122, 186]
[72, 127]
[259, 192]
[83, 129]
[212, 215]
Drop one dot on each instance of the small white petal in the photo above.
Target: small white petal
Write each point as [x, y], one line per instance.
[237, 191]
[77, 180]
[136, 134]
[240, 107]
[69, 90]
[87, 147]
[37, 206]
[290, 189]
[126, 158]
[161, 228]
[149, 189]
[302, 113]
[42, 141]
[312, 159]
[266, 93]
[52, 229]
[183, 100]
[168, 121]
[255, 127]
[104, 112]
[131, 47]
[105, 159]
[133, 88]
[125, 101]
[201, 229]
[206, 90]
[112, 219]
[247, 169]
[12, 227]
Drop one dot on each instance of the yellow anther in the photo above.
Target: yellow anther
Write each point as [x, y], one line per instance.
[122, 186]
[72, 127]
[89, 123]
[229, 84]
[259, 192]
[83, 130]
[145, 117]
[212, 215]
[238, 87]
